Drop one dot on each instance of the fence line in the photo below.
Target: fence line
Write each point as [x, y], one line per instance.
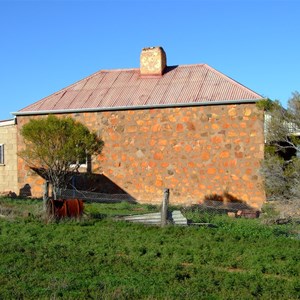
[95, 197]
[207, 205]
[210, 205]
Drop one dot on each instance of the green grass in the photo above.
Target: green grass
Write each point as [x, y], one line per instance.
[99, 258]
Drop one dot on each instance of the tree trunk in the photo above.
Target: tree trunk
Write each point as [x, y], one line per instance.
[54, 191]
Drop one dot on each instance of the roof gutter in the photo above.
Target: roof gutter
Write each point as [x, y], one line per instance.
[99, 109]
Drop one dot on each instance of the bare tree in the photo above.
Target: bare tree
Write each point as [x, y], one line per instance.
[283, 125]
[281, 167]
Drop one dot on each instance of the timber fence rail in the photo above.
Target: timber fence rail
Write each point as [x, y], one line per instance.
[95, 197]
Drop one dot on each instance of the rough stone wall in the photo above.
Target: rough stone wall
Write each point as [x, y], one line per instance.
[8, 171]
[195, 151]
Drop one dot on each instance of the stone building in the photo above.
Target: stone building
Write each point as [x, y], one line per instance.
[8, 157]
[188, 128]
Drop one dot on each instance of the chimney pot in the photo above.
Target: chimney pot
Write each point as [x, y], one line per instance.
[153, 61]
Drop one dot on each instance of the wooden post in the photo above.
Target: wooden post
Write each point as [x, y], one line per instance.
[46, 195]
[164, 208]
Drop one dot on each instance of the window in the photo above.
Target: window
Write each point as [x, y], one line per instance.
[1, 154]
[83, 161]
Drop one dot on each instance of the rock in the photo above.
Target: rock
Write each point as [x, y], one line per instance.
[231, 214]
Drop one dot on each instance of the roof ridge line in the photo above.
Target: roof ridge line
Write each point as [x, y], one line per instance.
[231, 79]
[63, 89]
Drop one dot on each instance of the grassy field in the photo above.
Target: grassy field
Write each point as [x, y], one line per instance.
[99, 258]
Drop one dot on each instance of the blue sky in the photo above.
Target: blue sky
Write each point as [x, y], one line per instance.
[47, 45]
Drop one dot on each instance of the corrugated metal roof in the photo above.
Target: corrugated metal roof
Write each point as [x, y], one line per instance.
[180, 85]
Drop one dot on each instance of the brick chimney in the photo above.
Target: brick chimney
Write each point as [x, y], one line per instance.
[152, 62]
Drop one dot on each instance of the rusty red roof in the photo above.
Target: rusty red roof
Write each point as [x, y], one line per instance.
[124, 89]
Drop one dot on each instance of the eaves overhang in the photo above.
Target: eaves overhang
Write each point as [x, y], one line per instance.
[138, 107]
